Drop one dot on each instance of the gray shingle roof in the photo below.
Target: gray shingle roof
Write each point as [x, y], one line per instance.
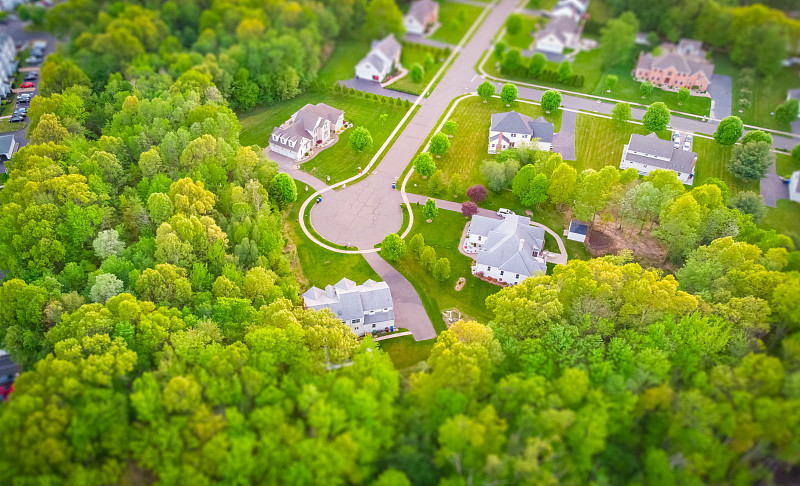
[510, 244]
[349, 301]
[303, 123]
[677, 159]
[793, 93]
[389, 46]
[543, 129]
[513, 122]
[6, 144]
[420, 9]
[559, 26]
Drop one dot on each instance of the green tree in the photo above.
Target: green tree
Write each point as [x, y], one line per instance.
[417, 72]
[750, 203]
[617, 39]
[680, 226]
[683, 95]
[751, 161]
[360, 140]
[656, 117]
[511, 62]
[564, 71]
[450, 127]
[551, 100]
[428, 61]
[439, 144]
[441, 270]
[562, 184]
[611, 81]
[757, 136]
[621, 112]
[508, 94]
[538, 62]
[787, 111]
[416, 244]
[424, 164]
[486, 90]
[499, 48]
[282, 190]
[105, 286]
[383, 17]
[430, 210]
[107, 244]
[514, 24]
[393, 247]
[499, 174]
[49, 129]
[427, 258]
[729, 130]
[796, 152]
[646, 88]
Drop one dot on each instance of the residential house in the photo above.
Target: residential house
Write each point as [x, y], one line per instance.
[681, 66]
[422, 15]
[794, 186]
[366, 308]
[310, 126]
[514, 129]
[577, 230]
[509, 250]
[646, 153]
[8, 64]
[559, 34]
[383, 56]
[7, 146]
[574, 9]
[10, 5]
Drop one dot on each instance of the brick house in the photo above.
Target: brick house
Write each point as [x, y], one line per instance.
[681, 66]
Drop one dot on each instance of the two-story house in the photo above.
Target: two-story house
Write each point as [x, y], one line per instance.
[422, 15]
[646, 153]
[309, 127]
[8, 64]
[365, 308]
[383, 56]
[574, 9]
[513, 130]
[681, 66]
[559, 33]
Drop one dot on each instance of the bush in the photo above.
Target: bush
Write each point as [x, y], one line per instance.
[417, 72]
[393, 247]
[469, 209]
[477, 193]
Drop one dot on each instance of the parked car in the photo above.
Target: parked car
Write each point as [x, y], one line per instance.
[676, 136]
[687, 145]
[20, 111]
[504, 212]
[17, 118]
[33, 60]
[30, 77]
[689, 138]
[26, 84]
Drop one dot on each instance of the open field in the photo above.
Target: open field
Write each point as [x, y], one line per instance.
[415, 54]
[405, 352]
[341, 65]
[339, 161]
[456, 19]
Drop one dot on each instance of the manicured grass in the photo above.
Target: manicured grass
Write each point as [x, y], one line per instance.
[405, 352]
[785, 164]
[524, 38]
[784, 219]
[415, 54]
[456, 19]
[6, 126]
[319, 266]
[541, 4]
[339, 161]
[599, 11]
[8, 108]
[767, 94]
[712, 161]
[599, 141]
[341, 65]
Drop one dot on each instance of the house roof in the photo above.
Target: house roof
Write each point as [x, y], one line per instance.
[680, 58]
[543, 129]
[578, 227]
[388, 46]
[559, 27]
[6, 144]
[510, 244]
[349, 301]
[421, 9]
[513, 122]
[303, 123]
[796, 186]
[793, 93]
[657, 151]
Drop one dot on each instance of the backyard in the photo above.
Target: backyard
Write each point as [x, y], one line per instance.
[599, 141]
[784, 219]
[406, 352]
[456, 19]
[339, 161]
[712, 161]
[341, 65]
[415, 54]
[524, 38]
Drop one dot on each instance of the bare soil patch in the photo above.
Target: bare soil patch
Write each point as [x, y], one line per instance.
[606, 238]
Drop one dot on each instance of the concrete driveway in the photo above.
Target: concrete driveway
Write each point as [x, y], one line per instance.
[773, 188]
[564, 140]
[375, 88]
[721, 96]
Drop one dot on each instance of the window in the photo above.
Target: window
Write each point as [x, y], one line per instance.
[356, 321]
[373, 326]
[517, 275]
[488, 268]
[513, 135]
[385, 309]
[502, 272]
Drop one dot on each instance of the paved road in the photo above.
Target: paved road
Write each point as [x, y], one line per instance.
[408, 310]
[362, 214]
[721, 95]
[773, 188]
[285, 164]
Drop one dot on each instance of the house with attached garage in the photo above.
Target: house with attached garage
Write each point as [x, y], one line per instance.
[365, 308]
[646, 153]
[676, 66]
[508, 250]
[513, 130]
[422, 15]
[310, 127]
[383, 56]
[559, 34]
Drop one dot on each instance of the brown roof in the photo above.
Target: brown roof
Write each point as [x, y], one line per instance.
[673, 57]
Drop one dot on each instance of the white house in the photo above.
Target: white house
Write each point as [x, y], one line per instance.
[577, 231]
[557, 35]
[421, 16]
[381, 59]
[8, 64]
[310, 126]
[509, 250]
[512, 129]
[794, 186]
[646, 153]
[7, 146]
[574, 9]
[366, 308]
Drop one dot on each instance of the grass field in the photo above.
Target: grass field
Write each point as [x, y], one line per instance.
[599, 141]
[541, 4]
[524, 37]
[339, 161]
[784, 219]
[341, 65]
[8, 108]
[405, 352]
[456, 19]
[712, 161]
[6, 125]
[785, 164]
[413, 54]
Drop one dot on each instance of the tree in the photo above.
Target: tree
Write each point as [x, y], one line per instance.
[49, 129]
[611, 81]
[757, 136]
[440, 143]
[787, 111]
[564, 71]
[683, 95]
[424, 164]
[383, 118]
[430, 210]
[537, 193]
[159, 207]
[383, 17]
[499, 174]
[514, 24]
[469, 209]
[750, 203]
[680, 224]
[621, 112]
[360, 140]
[796, 152]
[441, 269]
[499, 48]
[551, 100]
[656, 117]
[646, 88]
[538, 62]
[512, 60]
[437, 185]
[450, 127]
[729, 130]
[105, 286]
[107, 244]
[416, 244]
[617, 39]
[486, 90]
[751, 161]
[477, 193]
[393, 247]
[428, 61]
[521, 183]
[562, 184]
[427, 258]
[416, 72]
[508, 94]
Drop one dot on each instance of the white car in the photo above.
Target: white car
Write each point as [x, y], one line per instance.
[687, 145]
[676, 136]
[504, 212]
[689, 138]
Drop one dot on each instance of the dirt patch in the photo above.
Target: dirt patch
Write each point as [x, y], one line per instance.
[606, 238]
[325, 53]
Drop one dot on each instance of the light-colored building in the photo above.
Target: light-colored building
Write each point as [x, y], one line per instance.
[794, 186]
[366, 308]
[574, 9]
[309, 127]
[512, 130]
[383, 56]
[646, 153]
[577, 230]
[422, 15]
[8, 64]
[7, 146]
[559, 34]
[681, 66]
[509, 250]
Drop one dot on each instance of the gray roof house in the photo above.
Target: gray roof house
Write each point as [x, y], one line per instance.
[509, 250]
[794, 186]
[514, 129]
[384, 54]
[646, 153]
[559, 33]
[7, 144]
[365, 308]
[421, 15]
[310, 125]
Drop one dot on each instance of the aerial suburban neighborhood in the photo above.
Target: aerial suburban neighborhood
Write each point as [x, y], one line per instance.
[400, 242]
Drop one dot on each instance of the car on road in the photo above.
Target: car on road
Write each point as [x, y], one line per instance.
[26, 84]
[19, 111]
[504, 212]
[24, 98]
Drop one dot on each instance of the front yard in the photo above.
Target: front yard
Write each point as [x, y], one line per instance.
[785, 164]
[456, 19]
[339, 161]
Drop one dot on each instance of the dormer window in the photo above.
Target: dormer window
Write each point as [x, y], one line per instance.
[275, 137]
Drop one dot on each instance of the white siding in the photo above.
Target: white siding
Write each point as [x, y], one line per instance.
[412, 25]
[793, 194]
[496, 273]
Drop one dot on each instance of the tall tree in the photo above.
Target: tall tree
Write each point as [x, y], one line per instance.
[618, 38]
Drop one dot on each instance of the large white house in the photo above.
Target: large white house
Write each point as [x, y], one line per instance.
[508, 250]
[8, 64]
[646, 153]
[794, 186]
[559, 33]
[513, 130]
[381, 59]
[421, 16]
[574, 9]
[366, 308]
[310, 126]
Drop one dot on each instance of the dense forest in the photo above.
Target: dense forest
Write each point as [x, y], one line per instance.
[152, 302]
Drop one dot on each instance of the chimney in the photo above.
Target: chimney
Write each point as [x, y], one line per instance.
[521, 243]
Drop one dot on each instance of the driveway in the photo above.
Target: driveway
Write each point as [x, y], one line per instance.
[291, 167]
[408, 310]
[418, 39]
[564, 140]
[721, 96]
[375, 88]
[773, 188]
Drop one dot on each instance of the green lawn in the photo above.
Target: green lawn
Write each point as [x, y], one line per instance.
[712, 161]
[784, 219]
[599, 141]
[405, 352]
[339, 161]
[415, 54]
[341, 65]
[8, 108]
[767, 94]
[524, 38]
[456, 19]
[785, 164]
[541, 4]
[6, 125]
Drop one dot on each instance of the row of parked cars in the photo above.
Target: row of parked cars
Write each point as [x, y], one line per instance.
[21, 110]
[687, 142]
[23, 99]
[37, 53]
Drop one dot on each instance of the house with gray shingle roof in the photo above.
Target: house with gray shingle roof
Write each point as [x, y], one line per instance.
[421, 16]
[383, 56]
[646, 153]
[311, 126]
[8, 64]
[512, 130]
[574, 9]
[365, 308]
[508, 250]
[559, 33]
[681, 66]
[7, 146]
